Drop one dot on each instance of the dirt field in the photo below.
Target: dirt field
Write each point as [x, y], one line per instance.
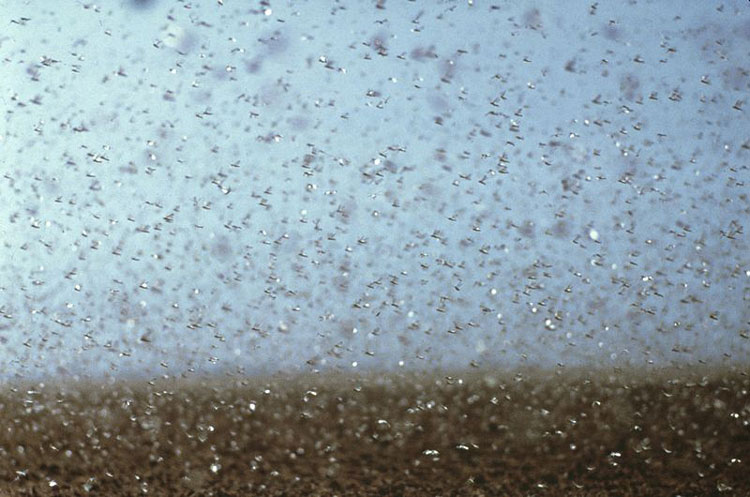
[473, 433]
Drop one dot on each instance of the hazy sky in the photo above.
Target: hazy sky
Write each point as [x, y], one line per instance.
[304, 185]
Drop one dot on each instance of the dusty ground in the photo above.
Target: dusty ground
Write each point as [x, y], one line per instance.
[478, 433]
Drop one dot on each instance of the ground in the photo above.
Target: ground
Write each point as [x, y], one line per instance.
[606, 432]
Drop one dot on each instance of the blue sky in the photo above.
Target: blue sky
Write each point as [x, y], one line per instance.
[213, 186]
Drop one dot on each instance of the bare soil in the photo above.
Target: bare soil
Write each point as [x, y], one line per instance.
[472, 433]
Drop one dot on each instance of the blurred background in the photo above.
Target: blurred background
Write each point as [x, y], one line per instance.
[253, 187]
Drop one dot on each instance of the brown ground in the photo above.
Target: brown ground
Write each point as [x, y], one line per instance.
[478, 433]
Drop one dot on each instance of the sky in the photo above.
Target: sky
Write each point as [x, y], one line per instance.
[253, 187]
